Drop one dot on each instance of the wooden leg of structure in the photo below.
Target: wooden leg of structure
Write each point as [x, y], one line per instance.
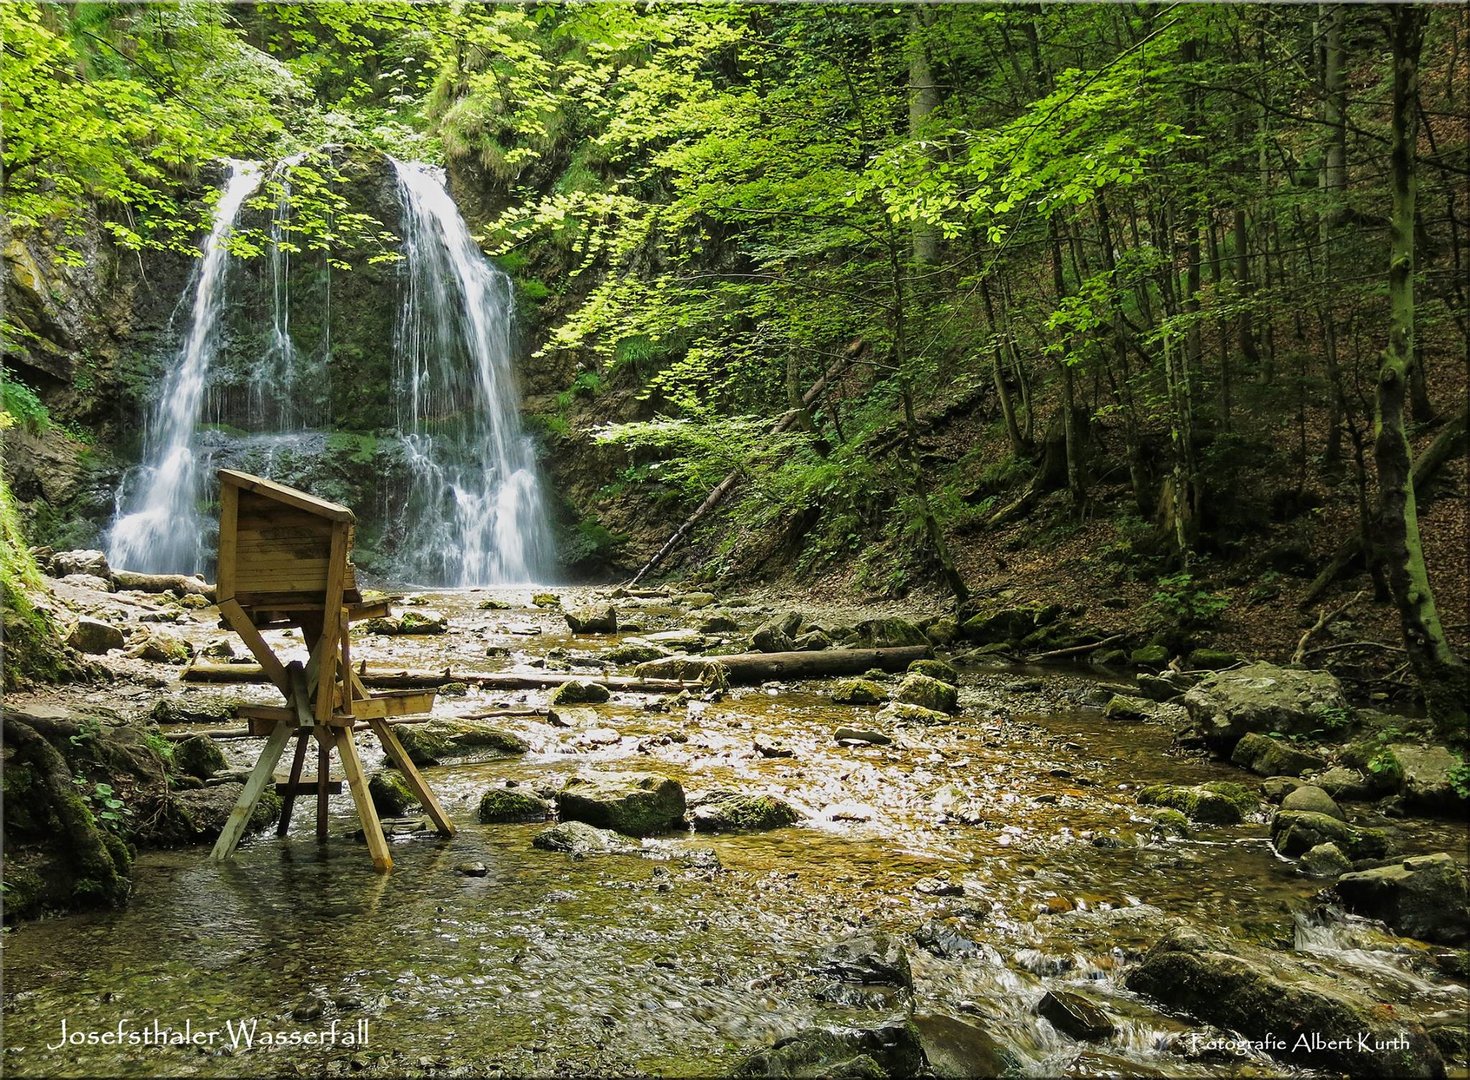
[288, 801]
[372, 829]
[265, 768]
[323, 769]
[415, 780]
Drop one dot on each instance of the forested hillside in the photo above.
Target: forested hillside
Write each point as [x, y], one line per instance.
[1152, 310]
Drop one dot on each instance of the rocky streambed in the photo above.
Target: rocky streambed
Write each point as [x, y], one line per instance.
[1043, 873]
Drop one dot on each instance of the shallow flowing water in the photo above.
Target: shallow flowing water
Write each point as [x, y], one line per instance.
[1015, 826]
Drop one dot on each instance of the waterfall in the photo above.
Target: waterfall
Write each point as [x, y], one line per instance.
[275, 401]
[475, 513]
[159, 527]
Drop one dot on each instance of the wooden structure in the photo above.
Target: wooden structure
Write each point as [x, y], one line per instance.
[284, 561]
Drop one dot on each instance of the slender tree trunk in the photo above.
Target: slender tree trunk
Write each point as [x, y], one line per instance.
[1069, 383]
[1002, 390]
[923, 100]
[1442, 675]
[1332, 181]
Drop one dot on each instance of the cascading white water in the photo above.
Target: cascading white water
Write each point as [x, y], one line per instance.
[275, 401]
[475, 514]
[158, 526]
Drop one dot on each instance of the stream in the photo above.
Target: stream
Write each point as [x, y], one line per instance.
[1006, 848]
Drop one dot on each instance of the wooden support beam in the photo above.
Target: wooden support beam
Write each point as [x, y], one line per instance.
[241, 623]
[367, 813]
[411, 775]
[306, 787]
[288, 796]
[265, 769]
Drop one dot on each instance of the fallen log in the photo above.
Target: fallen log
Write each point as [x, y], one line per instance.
[179, 583]
[758, 667]
[413, 680]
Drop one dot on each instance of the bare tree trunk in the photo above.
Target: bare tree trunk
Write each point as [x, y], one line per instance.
[1442, 675]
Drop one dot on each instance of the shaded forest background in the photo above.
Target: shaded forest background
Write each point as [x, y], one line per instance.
[1092, 302]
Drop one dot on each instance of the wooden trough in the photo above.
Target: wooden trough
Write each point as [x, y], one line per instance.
[284, 561]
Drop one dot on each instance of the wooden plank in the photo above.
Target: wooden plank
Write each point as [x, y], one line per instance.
[372, 828]
[281, 493]
[295, 583]
[406, 703]
[421, 680]
[240, 622]
[411, 775]
[272, 531]
[289, 791]
[229, 505]
[377, 609]
[264, 771]
[288, 800]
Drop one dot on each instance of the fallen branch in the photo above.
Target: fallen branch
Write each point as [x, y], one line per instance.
[1316, 628]
[1074, 649]
[1352, 645]
[413, 680]
[747, 668]
[179, 583]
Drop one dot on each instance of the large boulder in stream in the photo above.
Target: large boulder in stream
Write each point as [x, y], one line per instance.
[1266, 756]
[886, 634]
[858, 692]
[927, 693]
[458, 740]
[1425, 775]
[634, 804]
[580, 692]
[500, 805]
[594, 619]
[777, 634]
[1265, 698]
[732, 811]
[1329, 1023]
[892, 1049]
[959, 1048]
[1215, 803]
[1422, 897]
[578, 839]
[1295, 832]
[94, 636]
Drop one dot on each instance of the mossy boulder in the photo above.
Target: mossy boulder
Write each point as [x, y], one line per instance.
[1130, 709]
[414, 621]
[1149, 656]
[1215, 803]
[1266, 756]
[1325, 861]
[996, 625]
[927, 693]
[1211, 659]
[1426, 775]
[593, 619]
[634, 804]
[198, 756]
[935, 669]
[889, 633]
[94, 636]
[580, 692]
[545, 600]
[858, 692]
[1311, 798]
[906, 712]
[507, 805]
[391, 794]
[1264, 698]
[1295, 832]
[777, 634]
[161, 648]
[205, 811]
[445, 740]
[1170, 822]
[893, 1049]
[731, 811]
[1074, 1015]
[635, 652]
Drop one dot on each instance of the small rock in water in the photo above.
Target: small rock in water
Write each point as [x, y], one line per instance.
[934, 886]
[580, 692]
[940, 940]
[849, 811]
[1074, 1015]
[472, 869]
[546, 599]
[860, 735]
[772, 750]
